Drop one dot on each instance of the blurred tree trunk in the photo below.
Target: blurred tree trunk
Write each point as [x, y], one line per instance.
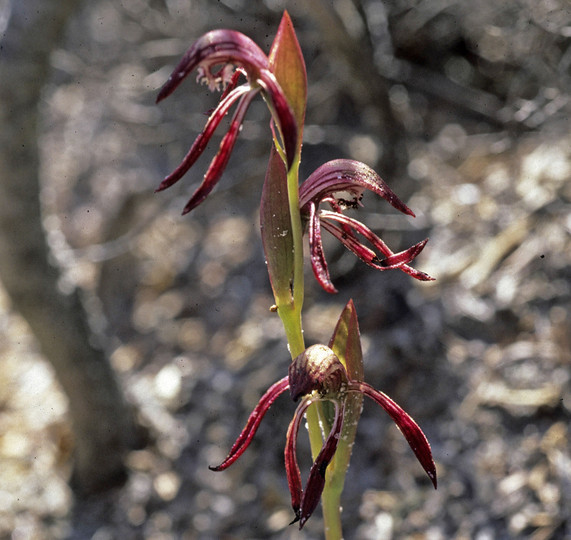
[102, 423]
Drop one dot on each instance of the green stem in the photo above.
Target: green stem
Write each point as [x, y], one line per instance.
[297, 232]
[331, 499]
[331, 504]
[289, 309]
[290, 314]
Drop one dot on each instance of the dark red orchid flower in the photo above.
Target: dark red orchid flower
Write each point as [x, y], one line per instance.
[341, 183]
[318, 375]
[220, 58]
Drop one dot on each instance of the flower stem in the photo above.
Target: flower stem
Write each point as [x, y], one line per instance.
[331, 504]
[289, 309]
[297, 232]
[290, 313]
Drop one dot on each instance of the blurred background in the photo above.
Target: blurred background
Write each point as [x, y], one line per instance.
[462, 107]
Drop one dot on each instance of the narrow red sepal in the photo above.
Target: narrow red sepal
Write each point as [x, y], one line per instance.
[316, 480]
[290, 456]
[408, 427]
[245, 438]
[318, 262]
[218, 164]
[202, 140]
[347, 175]
[214, 48]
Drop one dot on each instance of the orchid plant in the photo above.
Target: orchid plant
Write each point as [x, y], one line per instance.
[326, 380]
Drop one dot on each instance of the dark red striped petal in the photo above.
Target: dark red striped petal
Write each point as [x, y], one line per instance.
[283, 112]
[344, 233]
[404, 257]
[409, 428]
[202, 140]
[318, 262]
[316, 480]
[218, 164]
[347, 175]
[217, 47]
[290, 455]
[245, 438]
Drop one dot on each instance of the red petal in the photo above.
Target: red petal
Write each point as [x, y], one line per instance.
[218, 164]
[392, 261]
[290, 455]
[217, 47]
[403, 257]
[416, 274]
[347, 174]
[318, 263]
[316, 480]
[409, 428]
[350, 241]
[285, 118]
[349, 225]
[233, 83]
[202, 140]
[245, 438]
